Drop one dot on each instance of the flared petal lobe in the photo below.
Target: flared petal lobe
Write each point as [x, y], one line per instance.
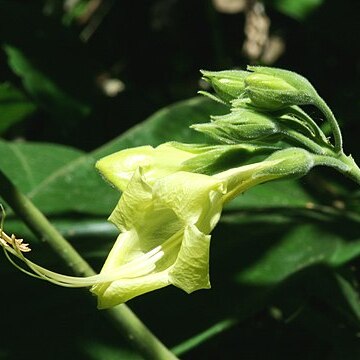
[190, 271]
[164, 237]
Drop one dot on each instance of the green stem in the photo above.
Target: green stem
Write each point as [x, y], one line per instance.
[298, 113]
[139, 336]
[42, 228]
[304, 140]
[321, 104]
[342, 163]
[204, 336]
[354, 171]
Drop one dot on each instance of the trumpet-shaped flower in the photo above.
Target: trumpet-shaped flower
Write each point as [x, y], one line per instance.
[165, 229]
[164, 235]
[165, 221]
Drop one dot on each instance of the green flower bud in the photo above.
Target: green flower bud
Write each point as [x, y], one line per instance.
[292, 163]
[239, 125]
[228, 84]
[273, 89]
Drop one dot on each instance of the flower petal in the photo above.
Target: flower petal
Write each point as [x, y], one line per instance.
[118, 168]
[153, 221]
[120, 291]
[191, 269]
[133, 203]
[193, 197]
[165, 159]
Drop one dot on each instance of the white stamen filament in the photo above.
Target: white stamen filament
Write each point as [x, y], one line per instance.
[138, 267]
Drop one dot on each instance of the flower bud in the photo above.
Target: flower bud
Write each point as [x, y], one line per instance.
[228, 84]
[273, 89]
[239, 125]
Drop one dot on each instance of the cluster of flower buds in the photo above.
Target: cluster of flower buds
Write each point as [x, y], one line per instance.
[265, 102]
[264, 87]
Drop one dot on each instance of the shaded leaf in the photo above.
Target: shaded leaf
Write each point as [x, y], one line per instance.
[286, 193]
[43, 89]
[302, 247]
[350, 293]
[29, 164]
[52, 63]
[299, 9]
[14, 106]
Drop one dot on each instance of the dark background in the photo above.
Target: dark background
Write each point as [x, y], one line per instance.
[156, 49]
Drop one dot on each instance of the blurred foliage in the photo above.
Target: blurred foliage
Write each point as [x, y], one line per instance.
[76, 80]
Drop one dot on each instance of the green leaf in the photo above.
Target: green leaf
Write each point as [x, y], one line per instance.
[45, 91]
[300, 248]
[285, 194]
[299, 9]
[14, 106]
[348, 291]
[57, 178]
[30, 164]
[60, 179]
[337, 290]
[51, 61]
